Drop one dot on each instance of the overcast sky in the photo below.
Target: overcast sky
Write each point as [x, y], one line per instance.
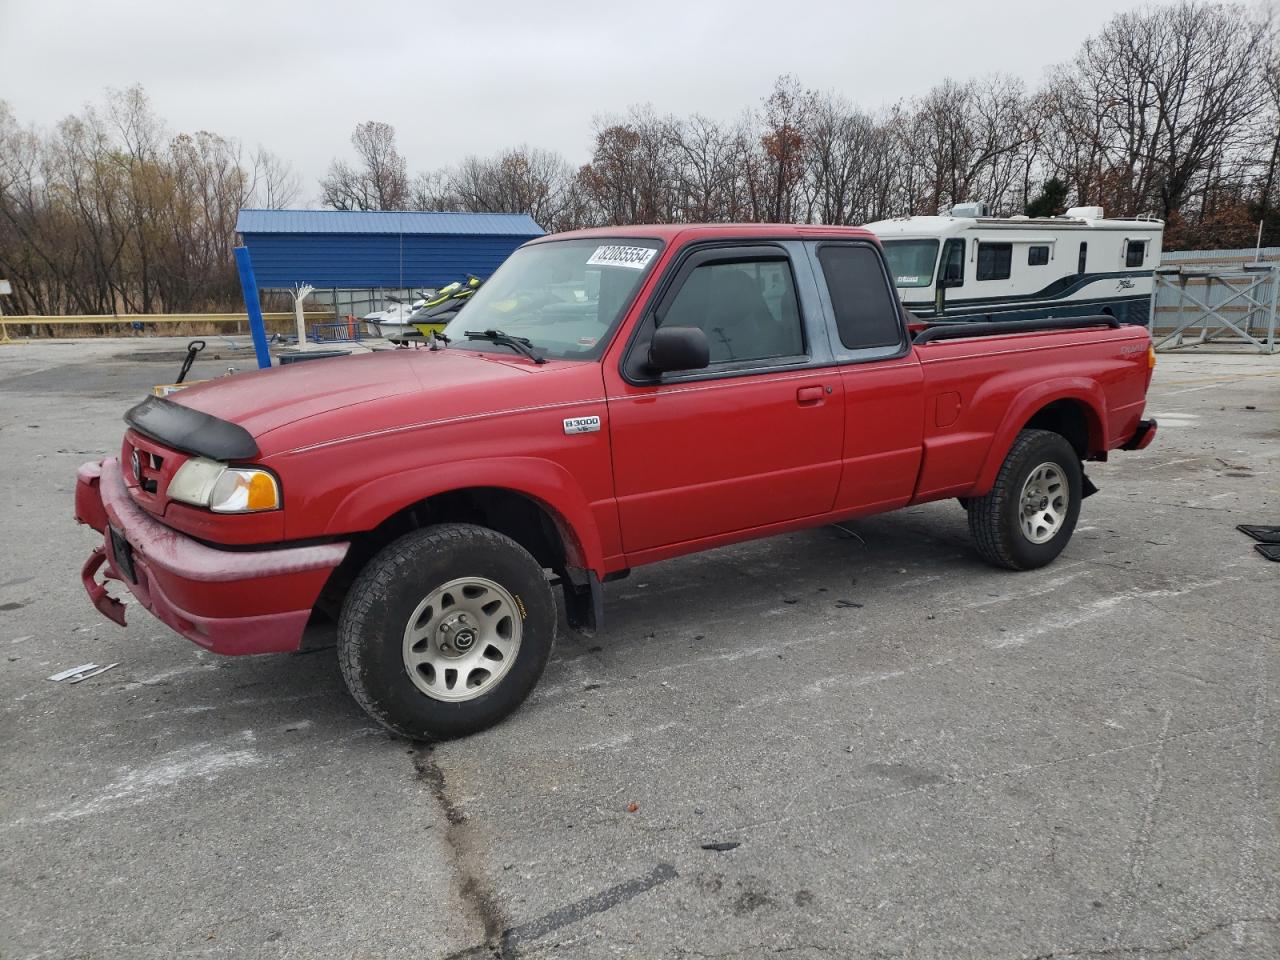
[460, 78]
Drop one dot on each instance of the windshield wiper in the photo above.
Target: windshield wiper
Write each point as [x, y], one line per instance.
[521, 345]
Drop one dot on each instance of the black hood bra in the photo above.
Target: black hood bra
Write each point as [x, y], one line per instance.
[190, 430]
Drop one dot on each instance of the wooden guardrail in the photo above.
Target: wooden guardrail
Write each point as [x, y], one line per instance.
[161, 319]
[132, 318]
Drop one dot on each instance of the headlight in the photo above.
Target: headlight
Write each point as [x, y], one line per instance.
[207, 483]
[194, 481]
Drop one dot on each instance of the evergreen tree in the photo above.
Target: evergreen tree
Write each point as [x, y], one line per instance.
[1052, 200]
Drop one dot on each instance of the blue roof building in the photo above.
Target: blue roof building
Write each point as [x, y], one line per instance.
[398, 250]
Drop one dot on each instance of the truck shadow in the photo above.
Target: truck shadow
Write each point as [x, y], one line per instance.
[857, 564]
[800, 579]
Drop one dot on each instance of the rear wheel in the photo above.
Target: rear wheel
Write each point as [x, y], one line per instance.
[446, 631]
[1029, 515]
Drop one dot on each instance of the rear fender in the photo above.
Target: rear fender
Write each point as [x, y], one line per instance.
[543, 481]
[1027, 404]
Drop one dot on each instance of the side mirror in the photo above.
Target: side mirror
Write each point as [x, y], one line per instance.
[678, 348]
[953, 275]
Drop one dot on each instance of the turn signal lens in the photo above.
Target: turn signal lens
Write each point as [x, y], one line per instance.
[1151, 356]
[244, 490]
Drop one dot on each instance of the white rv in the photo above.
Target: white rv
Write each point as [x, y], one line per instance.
[968, 266]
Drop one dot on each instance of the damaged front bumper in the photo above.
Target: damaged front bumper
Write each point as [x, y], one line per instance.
[232, 602]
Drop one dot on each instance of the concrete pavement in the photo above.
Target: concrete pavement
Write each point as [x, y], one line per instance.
[918, 756]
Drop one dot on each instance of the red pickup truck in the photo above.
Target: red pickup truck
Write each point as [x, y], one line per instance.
[609, 398]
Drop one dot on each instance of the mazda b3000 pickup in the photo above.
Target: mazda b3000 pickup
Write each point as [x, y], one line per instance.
[610, 398]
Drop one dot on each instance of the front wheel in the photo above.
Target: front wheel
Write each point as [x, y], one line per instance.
[446, 631]
[1029, 515]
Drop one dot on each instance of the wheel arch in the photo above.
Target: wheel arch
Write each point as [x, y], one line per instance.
[1074, 409]
[535, 502]
[482, 484]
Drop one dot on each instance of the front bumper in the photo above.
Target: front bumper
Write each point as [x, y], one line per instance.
[232, 602]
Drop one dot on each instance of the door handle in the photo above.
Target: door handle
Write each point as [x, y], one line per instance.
[810, 395]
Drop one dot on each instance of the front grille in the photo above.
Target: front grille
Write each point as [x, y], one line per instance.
[143, 468]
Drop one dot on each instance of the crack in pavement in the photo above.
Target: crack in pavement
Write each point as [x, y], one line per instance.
[1185, 943]
[1138, 847]
[1014, 771]
[474, 890]
[773, 951]
[500, 940]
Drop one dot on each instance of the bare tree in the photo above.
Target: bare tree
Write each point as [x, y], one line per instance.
[1177, 90]
[380, 181]
[275, 184]
[631, 177]
[522, 180]
[108, 213]
[702, 152]
[785, 118]
[429, 190]
[1173, 110]
[1267, 206]
[848, 163]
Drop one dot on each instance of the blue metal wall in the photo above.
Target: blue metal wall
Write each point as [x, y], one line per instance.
[390, 250]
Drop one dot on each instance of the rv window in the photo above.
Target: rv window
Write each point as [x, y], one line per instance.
[1135, 253]
[994, 261]
[864, 305]
[952, 264]
[1084, 256]
[911, 261]
[1037, 256]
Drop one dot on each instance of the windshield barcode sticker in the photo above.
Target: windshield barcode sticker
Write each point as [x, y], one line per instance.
[637, 258]
[902, 280]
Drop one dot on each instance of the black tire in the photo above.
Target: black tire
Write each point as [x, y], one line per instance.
[995, 520]
[371, 629]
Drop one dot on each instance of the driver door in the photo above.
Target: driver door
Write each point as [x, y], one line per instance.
[753, 439]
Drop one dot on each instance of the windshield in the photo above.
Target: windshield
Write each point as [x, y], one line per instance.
[564, 297]
[911, 261]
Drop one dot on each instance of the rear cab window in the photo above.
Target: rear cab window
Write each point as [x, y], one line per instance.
[864, 304]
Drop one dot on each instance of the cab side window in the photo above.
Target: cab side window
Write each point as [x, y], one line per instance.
[747, 309]
[865, 306]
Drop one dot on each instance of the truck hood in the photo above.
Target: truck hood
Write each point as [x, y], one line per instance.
[268, 400]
